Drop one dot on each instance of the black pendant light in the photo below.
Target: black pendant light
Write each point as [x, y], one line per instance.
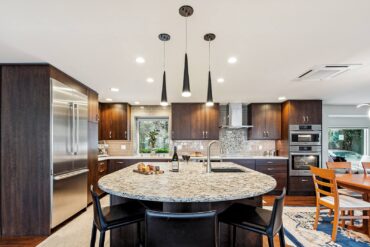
[209, 37]
[186, 11]
[164, 37]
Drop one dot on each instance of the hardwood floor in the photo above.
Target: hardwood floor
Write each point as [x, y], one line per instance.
[267, 201]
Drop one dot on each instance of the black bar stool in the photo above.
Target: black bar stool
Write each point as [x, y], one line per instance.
[257, 219]
[116, 216]
[180, 229]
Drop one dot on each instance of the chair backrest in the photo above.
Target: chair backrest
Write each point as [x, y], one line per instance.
[181, 229]
[365, 166]
[347, 166]
[276, 220]
[98, 214]
[325, 184]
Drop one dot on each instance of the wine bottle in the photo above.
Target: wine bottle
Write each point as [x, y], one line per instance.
[175, 161]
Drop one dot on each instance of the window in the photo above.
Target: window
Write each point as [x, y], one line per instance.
[152, 135]
[348, 144]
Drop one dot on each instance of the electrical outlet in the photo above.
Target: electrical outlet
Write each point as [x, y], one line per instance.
[123, 147]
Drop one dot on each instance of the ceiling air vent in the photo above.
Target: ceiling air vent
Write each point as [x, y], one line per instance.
[326, 72]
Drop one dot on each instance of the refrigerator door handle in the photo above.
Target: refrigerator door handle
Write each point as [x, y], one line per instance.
[73, 128]
[77, 129]
[70, 174]
[70, 132]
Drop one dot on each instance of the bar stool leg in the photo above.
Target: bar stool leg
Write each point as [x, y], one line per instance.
[282, 236]
[93, 236]
[271, 241]
[102, 239]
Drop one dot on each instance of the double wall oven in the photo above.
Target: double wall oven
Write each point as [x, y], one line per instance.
[305, 149]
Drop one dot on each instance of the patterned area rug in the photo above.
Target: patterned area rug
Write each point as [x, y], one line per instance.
[298, 224]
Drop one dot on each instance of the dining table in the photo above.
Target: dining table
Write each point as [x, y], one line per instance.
[361, 184]
[191, 189]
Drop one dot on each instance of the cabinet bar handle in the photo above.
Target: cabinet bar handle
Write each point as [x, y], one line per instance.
[304, 180]
[270, 169]
[119, 162]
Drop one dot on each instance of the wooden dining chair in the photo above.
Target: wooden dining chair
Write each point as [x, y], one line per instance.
[366, 167]
[325, 178]
[347, 167]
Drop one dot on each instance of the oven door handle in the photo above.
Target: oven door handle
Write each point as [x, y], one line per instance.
[305, 153]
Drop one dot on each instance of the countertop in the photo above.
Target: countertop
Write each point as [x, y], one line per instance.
[190, 184]
[226, 157]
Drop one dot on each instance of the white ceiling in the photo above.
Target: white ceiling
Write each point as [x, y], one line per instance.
[97, 42]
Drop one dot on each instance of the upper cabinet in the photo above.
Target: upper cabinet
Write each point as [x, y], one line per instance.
[93, 106]
[114, 121]
[266, 121]
[305, 112]
[195, 121]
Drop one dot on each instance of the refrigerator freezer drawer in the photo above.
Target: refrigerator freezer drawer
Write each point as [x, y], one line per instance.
[69, 195]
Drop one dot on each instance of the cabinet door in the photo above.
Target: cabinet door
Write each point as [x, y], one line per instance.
[212, 119]
[181, 121]
[119, 121]
[314, 112]
[273, 121]
[105, 122]
[93, 107]
[257, 118]
[198, 119]
[305, 112]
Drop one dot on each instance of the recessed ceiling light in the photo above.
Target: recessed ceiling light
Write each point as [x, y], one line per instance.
[220, 80]
[282, 98]
[150, 80]
[140, 60]
[232, 60]
[108, 99]
[137, 103]
[114, 89]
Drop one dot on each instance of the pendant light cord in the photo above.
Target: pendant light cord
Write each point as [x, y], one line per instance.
[164, 56]
[209, 55]
[186, 34]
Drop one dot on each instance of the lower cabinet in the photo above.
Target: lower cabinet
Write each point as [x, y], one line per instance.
[277, 169]
[101, 171]
[301, 186]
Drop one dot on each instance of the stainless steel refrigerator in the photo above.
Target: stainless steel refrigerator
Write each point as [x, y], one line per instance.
[69, 152]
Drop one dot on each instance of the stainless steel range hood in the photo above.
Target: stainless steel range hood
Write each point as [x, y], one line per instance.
[234, 117]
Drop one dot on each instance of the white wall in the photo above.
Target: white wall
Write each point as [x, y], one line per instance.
[345, 111]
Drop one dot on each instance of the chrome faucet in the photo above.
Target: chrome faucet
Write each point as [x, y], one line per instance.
[209, 167]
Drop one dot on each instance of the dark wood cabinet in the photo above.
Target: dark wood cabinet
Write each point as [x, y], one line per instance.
[301, 186]
[266, 121]
[93, 106]
[114, 121]
[195, 121]
[101, 170]
[25, 198]
[305, 112]
[276, 168]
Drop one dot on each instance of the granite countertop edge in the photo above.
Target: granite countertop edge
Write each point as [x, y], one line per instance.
[138, 157]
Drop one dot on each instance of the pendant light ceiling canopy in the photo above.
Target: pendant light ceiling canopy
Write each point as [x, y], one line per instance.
[186, 11]
[209, 37]
[164, 37]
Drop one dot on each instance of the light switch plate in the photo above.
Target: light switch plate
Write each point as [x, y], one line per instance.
[123, 147]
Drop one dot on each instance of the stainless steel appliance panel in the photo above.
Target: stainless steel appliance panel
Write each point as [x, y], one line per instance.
[305, 127]
[302, 157]
[69, 155]
[69, 195]
[305, 137]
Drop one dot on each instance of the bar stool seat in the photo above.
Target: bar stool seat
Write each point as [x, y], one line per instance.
[247, 217]
[123, 214]
[111, 217]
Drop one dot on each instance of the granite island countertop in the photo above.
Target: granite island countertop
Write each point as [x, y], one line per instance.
[190, 184]
[166, 157]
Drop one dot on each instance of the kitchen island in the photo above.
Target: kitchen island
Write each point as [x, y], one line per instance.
[189, 190]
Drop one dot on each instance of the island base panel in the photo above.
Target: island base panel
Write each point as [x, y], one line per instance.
[127, 236]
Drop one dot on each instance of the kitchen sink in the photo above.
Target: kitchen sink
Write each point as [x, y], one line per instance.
[227, 170]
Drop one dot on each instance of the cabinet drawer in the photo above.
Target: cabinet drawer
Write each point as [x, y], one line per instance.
[251, 164]
[271, 162]
[301, 184]
[102, 168]
[272, 169]
[281, 181]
